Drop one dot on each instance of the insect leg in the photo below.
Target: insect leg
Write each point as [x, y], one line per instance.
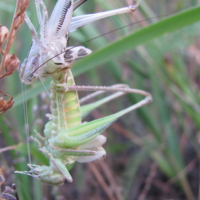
[32, 29]
[59, 165]
[39, 136]
[37, 141]
[44, 9]
[80, 21]
[97, 93]
[104, 88]
[74, 152]
[39, 15]
[119, 89]
[43, 19]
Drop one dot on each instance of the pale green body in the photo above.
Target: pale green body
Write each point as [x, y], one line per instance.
[61, 145]
[67, 139]
[65, 107]
[64, 104]
[65, 114]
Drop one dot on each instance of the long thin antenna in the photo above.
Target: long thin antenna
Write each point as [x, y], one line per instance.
[94, 39]
[44, 87]
[26, 128]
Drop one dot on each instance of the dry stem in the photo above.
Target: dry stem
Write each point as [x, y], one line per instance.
[18, 18]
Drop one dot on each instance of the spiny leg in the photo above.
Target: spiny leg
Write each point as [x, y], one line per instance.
[123, 91]
[109, 89]
[97, 93]
[120, 88]
[82, 134]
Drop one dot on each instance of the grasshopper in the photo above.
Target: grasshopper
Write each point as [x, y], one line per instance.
[66, 138]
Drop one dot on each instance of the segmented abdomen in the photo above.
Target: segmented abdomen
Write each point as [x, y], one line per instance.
[65, 106]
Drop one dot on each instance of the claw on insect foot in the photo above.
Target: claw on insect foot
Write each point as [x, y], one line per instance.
[47, 174]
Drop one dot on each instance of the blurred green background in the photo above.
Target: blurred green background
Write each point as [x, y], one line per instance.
[152, 153]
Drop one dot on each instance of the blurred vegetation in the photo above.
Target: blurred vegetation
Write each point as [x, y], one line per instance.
[152, 153]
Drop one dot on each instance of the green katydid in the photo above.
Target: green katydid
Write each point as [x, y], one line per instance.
[67, 139]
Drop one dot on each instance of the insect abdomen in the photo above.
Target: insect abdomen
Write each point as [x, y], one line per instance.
[64, 104]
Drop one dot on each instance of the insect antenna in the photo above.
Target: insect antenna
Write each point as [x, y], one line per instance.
[26, 128]
[48, 93]
[94, 39]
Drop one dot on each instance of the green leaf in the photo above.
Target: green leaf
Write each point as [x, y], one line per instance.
[86, 109]
[31, 92]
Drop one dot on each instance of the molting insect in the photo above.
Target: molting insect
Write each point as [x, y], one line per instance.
[54, 36]
[66, 138]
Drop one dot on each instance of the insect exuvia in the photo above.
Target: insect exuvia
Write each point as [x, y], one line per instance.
[54, 35]
[66, 138]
